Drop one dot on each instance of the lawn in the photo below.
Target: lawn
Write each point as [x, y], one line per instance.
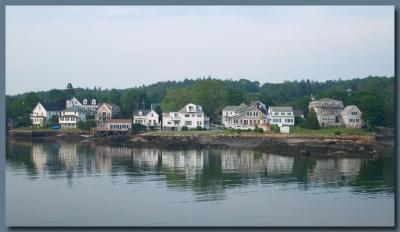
[293, 131]
[328, 131]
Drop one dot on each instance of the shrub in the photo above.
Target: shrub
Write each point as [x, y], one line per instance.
[136, 127]
[337, 132]
[258, 129]
[199, 128]
[184, 128]
[274, 128]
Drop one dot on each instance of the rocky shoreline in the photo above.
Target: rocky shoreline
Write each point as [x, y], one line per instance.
[285, 144]
[323, 146]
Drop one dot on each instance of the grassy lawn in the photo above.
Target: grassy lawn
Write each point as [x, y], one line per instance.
[201, 132]
[293, 131]
[328, 131]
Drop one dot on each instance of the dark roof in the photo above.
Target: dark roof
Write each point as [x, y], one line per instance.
[298, 112]
[144, 112]
[51, 106]
[260, 106]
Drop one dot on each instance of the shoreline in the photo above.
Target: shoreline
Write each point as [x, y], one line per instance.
[288, 144]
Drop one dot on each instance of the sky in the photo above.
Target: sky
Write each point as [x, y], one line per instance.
[127, 46]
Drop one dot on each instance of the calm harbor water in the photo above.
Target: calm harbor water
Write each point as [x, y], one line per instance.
[85, 184]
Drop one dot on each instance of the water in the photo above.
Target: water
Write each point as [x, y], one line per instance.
[85, 184]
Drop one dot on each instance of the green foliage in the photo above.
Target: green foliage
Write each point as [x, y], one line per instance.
[337, 132]
[298, 120]
[258, 130]
[133, 99]
[86, 125]
[184, 128]
[311, 121]
[214, 95]
[274, 128]
[137, 127]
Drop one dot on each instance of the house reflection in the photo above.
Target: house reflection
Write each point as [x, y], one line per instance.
[188, 161]
[214, 169]
[333, 171]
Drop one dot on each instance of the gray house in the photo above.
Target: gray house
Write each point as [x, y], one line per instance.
[328, 111]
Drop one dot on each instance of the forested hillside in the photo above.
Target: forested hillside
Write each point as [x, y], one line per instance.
[375, 96]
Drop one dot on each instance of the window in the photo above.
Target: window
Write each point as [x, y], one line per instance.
[199, 115]
[187, 115]
[357, 120]
[282, 113]
[188, 123]
[168, 122]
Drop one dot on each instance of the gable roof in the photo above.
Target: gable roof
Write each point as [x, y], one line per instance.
[281, 108]
[260, 106]
[111, 105]
[349, 108]
[144, 112]
[50, 106]
[235, 108]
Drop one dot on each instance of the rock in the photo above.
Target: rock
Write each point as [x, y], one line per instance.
[139, 140]
[304, 152]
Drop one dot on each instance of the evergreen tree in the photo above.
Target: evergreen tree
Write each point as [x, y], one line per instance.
[311, 121]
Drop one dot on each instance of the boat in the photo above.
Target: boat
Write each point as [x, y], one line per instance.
[60, 135]
[87, 136]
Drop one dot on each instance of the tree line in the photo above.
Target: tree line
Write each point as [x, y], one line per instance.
[373, 95]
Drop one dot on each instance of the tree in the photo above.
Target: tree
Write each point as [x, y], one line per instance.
[86, 125]
[132, 99]
[298, 120]
[311, 121]
[372, 110]
[158, 110]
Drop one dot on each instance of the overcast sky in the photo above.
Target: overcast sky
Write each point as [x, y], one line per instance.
[127, 46]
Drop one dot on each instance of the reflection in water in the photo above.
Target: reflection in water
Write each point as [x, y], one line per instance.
[208, 173]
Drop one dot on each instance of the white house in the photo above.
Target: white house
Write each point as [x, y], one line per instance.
[191, 116]
[73, 103]
[351, 116]
[246, 117]
[281, 115]
[146, 118]
[70, 117]
[43, 112]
